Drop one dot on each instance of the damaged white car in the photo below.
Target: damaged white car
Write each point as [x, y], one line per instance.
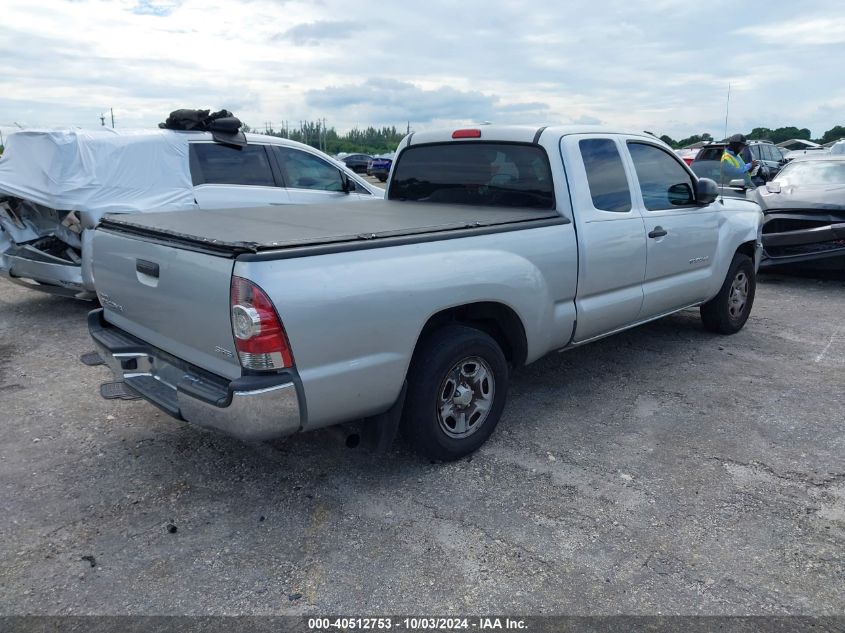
[56, 185]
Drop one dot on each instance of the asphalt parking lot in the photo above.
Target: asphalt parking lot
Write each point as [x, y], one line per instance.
[663, 470]
[373, 180]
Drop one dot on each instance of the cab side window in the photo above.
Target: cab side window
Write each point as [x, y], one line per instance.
[216, 164]
[301, 170]
[663, 182]
[605, 175]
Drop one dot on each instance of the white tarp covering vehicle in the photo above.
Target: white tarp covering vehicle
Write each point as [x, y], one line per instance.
[55, 185]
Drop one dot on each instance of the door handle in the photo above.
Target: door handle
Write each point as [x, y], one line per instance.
[147, 268]
[658, 231]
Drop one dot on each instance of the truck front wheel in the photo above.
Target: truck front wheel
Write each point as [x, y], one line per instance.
[457, 385]
[728, 311]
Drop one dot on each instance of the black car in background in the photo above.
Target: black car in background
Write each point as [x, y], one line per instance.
[804, 209]
[357, 162]
[707, 163]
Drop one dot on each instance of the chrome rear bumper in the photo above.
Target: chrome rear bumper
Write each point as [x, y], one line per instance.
[255, 407]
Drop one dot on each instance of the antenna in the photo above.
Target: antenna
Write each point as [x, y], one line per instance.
[721, 162]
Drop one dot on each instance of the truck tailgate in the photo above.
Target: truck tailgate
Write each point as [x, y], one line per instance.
[174, 299]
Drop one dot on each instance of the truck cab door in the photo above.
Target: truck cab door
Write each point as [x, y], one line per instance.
[611, 235]
[682, 235]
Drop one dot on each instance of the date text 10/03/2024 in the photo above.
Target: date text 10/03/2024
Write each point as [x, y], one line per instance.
[416, 624]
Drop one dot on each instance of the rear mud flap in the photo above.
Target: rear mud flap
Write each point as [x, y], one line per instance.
[118, 390]
[92, 359]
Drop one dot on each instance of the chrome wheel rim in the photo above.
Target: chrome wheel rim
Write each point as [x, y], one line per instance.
[465, 397]
[738, 296]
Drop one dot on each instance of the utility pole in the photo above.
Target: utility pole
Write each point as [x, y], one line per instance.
[112, 117]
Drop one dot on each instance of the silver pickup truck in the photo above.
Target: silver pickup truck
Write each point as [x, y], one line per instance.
[495, 246]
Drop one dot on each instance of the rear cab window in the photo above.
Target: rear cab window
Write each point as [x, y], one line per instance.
[217, 164]
[476, 173]
[605, 175]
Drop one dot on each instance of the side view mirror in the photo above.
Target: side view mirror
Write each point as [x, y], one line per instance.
[738, 183]
[681, 194]
[773, 187]
[706, 191]
[348, 183]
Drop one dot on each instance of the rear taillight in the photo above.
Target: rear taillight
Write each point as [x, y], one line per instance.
[471, 133]
[260, 337]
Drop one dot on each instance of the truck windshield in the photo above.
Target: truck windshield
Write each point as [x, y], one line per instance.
[478, 173]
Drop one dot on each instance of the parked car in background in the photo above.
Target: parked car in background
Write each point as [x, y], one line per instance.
[687, 155]
[356, 162]
[769, 156]
[804, 210]
[837, 148]
[707, 163]
[379, 166]
[56, 185]
[801, 153]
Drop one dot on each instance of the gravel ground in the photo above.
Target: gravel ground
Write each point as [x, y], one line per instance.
[663, 470]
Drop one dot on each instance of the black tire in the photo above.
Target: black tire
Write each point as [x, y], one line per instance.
[382, 178]
[440, 377]
[724, 313]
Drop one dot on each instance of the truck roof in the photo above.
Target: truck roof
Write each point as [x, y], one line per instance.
[232, 232]
[516, 133]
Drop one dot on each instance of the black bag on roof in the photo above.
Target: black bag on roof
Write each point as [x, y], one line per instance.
[223, 125]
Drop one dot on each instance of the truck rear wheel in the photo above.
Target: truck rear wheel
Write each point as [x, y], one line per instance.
[728, 311]
[457, 386]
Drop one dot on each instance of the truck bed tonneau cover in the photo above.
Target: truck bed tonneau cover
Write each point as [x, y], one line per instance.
[235, 231]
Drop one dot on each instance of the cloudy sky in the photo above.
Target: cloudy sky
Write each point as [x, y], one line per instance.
[660, 65]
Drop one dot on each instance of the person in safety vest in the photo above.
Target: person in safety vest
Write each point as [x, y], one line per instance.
[733, 161]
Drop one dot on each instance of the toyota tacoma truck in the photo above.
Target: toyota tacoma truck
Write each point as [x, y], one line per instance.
[495, 246]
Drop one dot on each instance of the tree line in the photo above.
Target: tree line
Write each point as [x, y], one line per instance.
[777, 135]
[370, 140]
